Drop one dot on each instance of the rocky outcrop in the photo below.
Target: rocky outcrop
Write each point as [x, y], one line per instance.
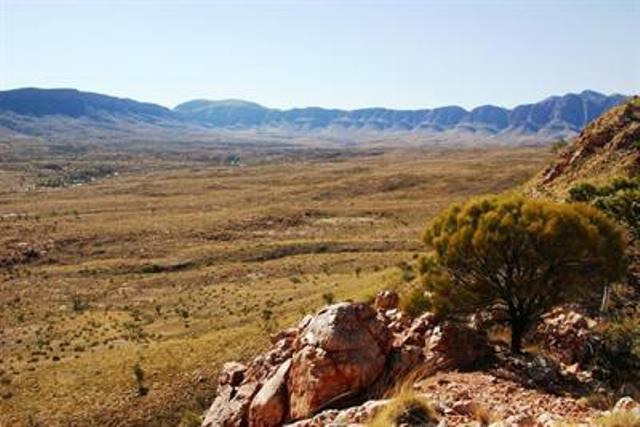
[342, 350]
[269, 406]
[568, 335]
[335, 356]
[326, 359]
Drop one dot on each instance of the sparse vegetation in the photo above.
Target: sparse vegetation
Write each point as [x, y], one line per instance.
[169, 238]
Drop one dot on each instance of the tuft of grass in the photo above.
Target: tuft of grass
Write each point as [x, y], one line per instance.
[483, 415]
[407, 408]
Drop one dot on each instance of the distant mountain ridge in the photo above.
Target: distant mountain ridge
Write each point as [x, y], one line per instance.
[73, 103]
[557, 115]
[47, 112]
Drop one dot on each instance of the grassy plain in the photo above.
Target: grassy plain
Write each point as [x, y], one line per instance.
[182, 265]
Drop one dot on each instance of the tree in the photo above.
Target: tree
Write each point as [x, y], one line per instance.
[519, 257]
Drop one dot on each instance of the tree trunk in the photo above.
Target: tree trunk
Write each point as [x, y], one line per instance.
[518, 328]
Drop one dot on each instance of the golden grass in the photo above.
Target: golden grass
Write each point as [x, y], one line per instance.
[173, 268]
[406, 407]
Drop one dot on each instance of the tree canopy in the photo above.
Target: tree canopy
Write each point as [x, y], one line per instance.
[520, 257]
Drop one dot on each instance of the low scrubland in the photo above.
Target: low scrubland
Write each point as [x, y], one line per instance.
[124, 289]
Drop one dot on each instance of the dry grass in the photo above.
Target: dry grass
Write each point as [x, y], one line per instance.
[619, 419]
[406, 408]
[173, 268]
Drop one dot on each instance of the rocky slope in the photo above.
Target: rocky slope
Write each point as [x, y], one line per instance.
[341, 367]
[606, 148]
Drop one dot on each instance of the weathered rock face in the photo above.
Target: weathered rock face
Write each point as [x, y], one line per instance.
[342, 351]
[460, 346]
[568, 335]
[238, 385]
[269, 406]
[335, 354]
[230, 404]
[386, 300]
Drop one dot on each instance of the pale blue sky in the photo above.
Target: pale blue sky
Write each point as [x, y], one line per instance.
[401, 54]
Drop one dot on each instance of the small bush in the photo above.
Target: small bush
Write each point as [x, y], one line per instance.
[407, 408]
[328, 298]
[620, 353]
[415, 302]
[620, 200]
[78, 303]
[138, 374]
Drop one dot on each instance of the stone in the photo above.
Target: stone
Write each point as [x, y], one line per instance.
[229, 409]
[461, 346]
[340, 352]
[269, 406]
[232, 373]
[626, 404]
[386, 300]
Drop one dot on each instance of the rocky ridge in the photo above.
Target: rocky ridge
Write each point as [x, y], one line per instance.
[607, 147]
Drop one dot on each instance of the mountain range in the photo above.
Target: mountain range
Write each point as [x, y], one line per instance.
[52, 112]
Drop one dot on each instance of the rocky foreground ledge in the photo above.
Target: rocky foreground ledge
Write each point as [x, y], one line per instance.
[337, 367]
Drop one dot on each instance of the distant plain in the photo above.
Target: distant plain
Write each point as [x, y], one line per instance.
[179, 263]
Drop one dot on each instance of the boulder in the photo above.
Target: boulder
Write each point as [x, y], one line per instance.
[568, 335]
[419, 330]
[626, 404]
[230, 407]
[386, 300]
[269, 406]
[338, 354]
[238, 384]
[460, 346]
[232, 373]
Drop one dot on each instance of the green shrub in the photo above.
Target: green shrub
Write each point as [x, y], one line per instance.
[520, 257]
[620, 352]
[620, 200]
[415, 302]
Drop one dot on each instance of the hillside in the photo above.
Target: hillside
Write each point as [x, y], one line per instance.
[608, 147]
[555, 116]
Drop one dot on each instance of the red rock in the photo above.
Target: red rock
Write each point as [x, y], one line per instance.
[460, 346]
[340, 352]
[269, 406]
[386, 300]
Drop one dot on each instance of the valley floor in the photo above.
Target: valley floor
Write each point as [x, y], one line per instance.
[181, 268]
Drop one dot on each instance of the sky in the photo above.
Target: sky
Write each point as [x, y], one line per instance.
[342, 54]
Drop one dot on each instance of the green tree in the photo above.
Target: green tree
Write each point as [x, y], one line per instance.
[520, 257]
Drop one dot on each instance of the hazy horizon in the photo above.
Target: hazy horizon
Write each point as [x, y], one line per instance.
[285, 55]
